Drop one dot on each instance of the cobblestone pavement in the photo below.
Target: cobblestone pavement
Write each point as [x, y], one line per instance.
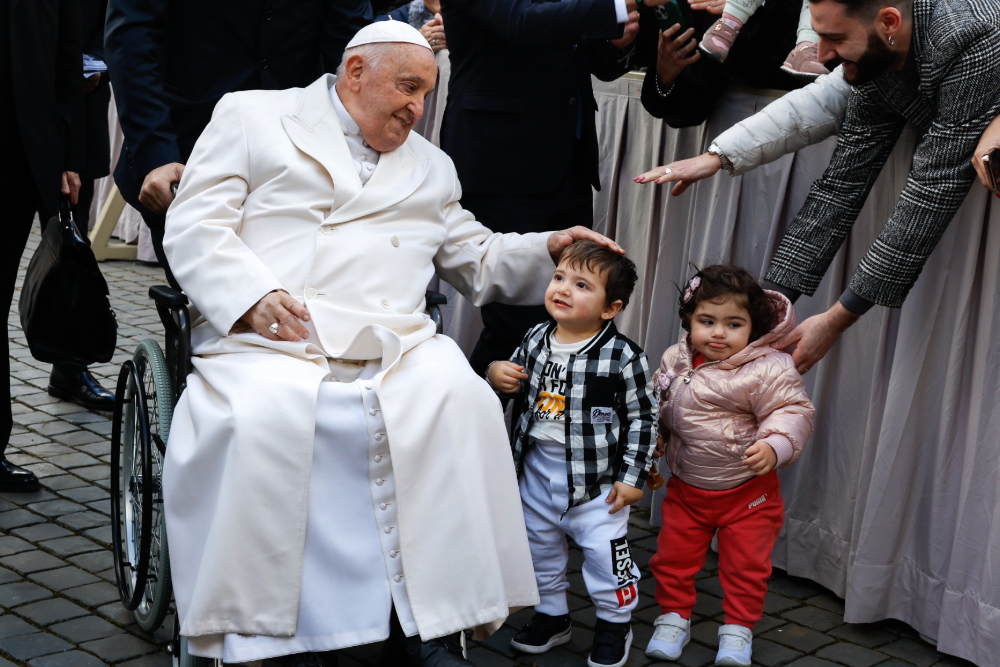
[60, 603]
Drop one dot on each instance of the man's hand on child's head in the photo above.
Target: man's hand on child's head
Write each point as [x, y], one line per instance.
[621, 495]
[506, 376]
[760, 458]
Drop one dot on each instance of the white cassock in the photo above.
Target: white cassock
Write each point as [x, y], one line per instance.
[311, 486]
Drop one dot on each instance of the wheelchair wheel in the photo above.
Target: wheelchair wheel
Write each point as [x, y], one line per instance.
[143, 410]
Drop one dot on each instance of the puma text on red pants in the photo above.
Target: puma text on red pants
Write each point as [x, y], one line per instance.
[748, 519]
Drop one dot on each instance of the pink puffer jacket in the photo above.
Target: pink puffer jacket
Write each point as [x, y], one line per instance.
[713, 413]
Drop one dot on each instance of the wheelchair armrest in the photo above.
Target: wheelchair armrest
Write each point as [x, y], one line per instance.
[167, 296]
[436, 298]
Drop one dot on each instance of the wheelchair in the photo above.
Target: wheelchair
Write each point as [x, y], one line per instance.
[149, 385]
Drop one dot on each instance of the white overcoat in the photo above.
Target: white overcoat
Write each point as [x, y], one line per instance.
[269, 200]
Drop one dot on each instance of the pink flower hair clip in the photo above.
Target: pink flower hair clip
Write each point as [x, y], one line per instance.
[692, 286]
[665, 378]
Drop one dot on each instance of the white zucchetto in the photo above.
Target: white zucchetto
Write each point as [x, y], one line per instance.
[388, 31]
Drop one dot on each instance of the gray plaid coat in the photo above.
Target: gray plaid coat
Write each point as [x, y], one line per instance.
[949, 89]
[610, 372]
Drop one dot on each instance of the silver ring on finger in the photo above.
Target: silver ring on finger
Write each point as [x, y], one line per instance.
[667, 171]
[434, 42]
[274, 328]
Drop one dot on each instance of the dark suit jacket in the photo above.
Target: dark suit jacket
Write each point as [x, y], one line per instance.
[755, 61]
[42, 55]
[172, 60]
[95, 103]
[519, 71]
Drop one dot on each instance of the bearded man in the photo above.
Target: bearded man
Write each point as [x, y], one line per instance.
[335, 470]
[933, 63]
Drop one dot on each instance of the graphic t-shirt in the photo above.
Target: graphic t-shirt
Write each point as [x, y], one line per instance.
[547, 418]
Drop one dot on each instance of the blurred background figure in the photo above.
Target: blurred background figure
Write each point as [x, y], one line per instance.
[802, 61]
[425, 16]
[520, 122]
[170, 61]
[97, 95]
[683, 86]
[41, 118]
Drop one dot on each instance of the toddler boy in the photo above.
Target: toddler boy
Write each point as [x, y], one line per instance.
[583, 447]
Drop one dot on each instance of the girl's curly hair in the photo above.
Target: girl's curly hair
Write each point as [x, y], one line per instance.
[719, 282]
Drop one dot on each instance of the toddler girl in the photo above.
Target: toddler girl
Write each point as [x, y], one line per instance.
[732, 409]
[803, 61]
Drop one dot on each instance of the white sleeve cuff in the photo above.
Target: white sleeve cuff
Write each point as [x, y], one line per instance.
[621, 11]
[782, 447]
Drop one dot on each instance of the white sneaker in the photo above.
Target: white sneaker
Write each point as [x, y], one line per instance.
[671, 635]
[735, 646]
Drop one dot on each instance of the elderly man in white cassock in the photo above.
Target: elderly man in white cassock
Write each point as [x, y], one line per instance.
[336, 473]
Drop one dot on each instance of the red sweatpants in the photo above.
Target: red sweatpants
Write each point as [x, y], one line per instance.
[748, 519]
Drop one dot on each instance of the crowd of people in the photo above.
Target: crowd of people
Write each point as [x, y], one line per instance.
[337, 474]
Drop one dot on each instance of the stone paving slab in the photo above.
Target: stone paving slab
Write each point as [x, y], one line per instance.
[59, 605]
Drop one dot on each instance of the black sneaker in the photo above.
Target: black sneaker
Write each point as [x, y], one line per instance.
[542, 633]
[611, 644]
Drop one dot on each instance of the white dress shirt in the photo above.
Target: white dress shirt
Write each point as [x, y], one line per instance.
[621, 11]
[365, 157]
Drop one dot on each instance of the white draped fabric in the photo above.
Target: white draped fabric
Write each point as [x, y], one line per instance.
[429, 125]
[895, 504]
[351, 523]
[130, 228]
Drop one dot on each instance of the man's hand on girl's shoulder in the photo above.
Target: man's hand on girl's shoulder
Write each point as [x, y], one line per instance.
[506, 376]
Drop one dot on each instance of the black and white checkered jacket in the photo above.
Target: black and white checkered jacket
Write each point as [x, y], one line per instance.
[610, 372]
[950, 90]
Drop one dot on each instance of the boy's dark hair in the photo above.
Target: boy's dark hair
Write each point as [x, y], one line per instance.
[720, 282]
[618, 270]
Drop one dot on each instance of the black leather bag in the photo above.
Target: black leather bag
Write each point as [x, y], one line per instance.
[65, 312]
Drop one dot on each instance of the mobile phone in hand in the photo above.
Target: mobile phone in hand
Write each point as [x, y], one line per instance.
[668, 15]
[992, 163]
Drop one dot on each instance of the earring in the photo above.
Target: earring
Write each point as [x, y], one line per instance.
[892, 41]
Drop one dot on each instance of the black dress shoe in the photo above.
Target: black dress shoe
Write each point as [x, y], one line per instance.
[76, 385]
[443, 652]
[311, 659]
[15, 478]
[402, 651]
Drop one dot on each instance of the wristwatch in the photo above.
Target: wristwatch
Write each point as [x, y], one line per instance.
[727, 164]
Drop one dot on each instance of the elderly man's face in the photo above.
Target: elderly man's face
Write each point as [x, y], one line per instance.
[386, 101]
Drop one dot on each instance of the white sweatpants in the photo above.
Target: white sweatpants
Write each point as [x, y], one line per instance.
[609, 573]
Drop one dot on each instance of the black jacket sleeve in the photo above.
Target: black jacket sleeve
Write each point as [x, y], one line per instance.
[401, 13]
[134, 36]
[69, 83]
[527, 24]
[608, 63]
[694, 94]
